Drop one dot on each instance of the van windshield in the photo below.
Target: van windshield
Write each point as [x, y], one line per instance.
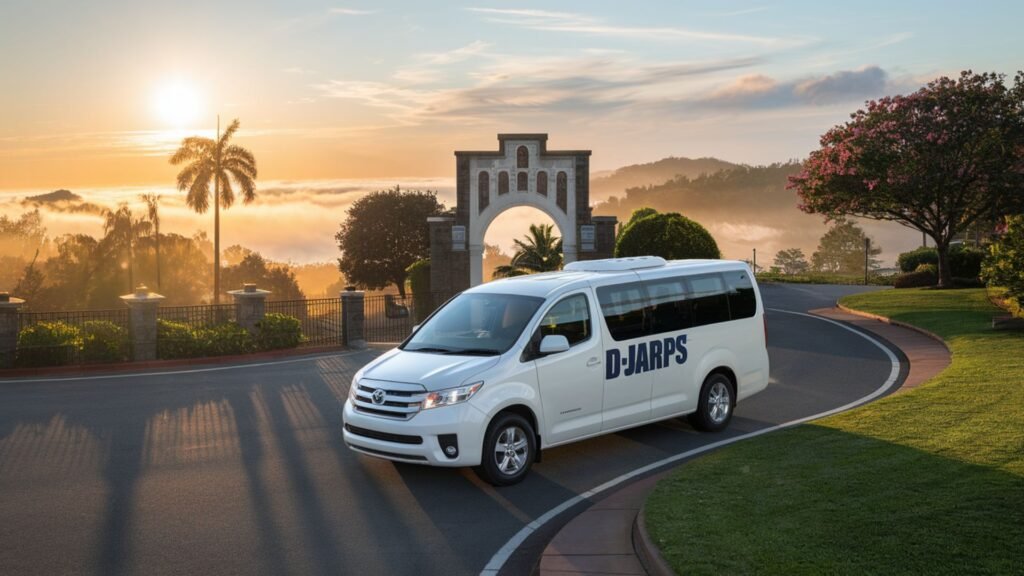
[475, 324]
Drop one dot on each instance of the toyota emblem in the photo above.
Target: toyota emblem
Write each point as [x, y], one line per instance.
[378, 396]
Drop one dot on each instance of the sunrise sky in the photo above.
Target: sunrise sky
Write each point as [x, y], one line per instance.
[95, 93]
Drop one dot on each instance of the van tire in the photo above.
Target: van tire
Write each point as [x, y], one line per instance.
[715, 405]
[509, 449]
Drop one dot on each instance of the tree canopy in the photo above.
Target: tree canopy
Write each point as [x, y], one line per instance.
[670, 235]
[841, 250]
[385, 232]
[936, 160]
[538, 251]
[791, 261]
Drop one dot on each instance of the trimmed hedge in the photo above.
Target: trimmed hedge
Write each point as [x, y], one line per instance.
[419, 284]
[179, 340]
[963, 262]
[917, 279]
[277, 331]
[47, 344]
[104, 341]
[671, 236]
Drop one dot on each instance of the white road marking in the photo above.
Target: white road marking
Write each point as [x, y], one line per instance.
[190, 371]
[506, 551]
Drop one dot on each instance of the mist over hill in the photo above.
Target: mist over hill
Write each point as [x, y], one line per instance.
[616, 182]
[744, 207]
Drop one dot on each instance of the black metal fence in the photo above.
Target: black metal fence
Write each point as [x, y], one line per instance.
[320, 319]
[198, 316]
[72, 337]
[390, 318]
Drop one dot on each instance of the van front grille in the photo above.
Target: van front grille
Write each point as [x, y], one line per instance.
[400, 401]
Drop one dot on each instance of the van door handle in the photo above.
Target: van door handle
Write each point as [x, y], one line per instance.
[593, 362]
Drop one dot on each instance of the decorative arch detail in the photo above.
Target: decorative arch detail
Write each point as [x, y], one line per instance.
[502, 182]
[522, 157]
[542, 183]
[483, 187]
[562, 191]
[522, 182]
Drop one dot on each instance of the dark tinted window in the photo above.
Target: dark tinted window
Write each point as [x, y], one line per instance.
[475, 321]
[670, 309]
[622, 306]
[710, 302]
[742, 302]
[569, 318]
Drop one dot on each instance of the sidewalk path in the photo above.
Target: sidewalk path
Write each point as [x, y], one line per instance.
[604, 539]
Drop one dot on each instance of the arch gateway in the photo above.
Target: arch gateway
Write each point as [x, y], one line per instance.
[522, 172]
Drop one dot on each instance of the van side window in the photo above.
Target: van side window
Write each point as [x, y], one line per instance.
[670, 307]
[742, 302]
[622, 306]
[569, 318]
[710, 303]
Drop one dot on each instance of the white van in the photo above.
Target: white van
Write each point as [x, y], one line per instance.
[508, 368]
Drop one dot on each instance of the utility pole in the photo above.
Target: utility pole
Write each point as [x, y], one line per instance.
[867, 258]
[755, 262]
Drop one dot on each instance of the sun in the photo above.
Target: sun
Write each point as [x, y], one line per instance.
[176, 103]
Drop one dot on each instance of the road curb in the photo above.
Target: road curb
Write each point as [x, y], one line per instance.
[646, 550]
[887, 320]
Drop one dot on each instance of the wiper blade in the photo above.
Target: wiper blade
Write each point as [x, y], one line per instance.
[429, 349]
[473, 352]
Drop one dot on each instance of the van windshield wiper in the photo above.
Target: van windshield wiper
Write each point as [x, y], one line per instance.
[429, 349]
[473, 352]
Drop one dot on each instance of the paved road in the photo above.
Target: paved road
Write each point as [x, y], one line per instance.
[243, 471]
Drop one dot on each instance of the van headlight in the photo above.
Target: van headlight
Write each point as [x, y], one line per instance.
[450, 396]
[352, 389]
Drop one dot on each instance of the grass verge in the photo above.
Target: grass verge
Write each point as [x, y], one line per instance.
[823, 278]
[926, 482]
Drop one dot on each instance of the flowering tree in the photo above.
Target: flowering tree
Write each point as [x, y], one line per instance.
[936, 160]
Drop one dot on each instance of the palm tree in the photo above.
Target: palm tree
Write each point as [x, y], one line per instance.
[215, 160]
[121, 231]
[539, 251]
[153, 211]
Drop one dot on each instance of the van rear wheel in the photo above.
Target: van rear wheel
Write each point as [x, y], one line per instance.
[714, 407]
[509, 448]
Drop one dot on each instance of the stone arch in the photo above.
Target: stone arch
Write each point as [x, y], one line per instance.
[478, 231]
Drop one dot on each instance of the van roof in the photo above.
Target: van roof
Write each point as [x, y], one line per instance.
[582, 272]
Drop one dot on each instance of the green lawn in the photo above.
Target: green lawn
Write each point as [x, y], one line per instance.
[925, 482]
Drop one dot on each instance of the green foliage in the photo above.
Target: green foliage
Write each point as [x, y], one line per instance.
[963, 262]
[822, 278]
[276, 331]
[841, 250]
[1004, 266]
[791, 261]
[671, 236]
[103, 341]
[538, 251]
[924, 276]
[278, 278]
[419, 283]
[179, 340]
[48, 344]
[909, 261]
[384, 233]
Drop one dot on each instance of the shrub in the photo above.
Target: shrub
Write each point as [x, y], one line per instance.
[103, 341]
[419, 283]
[179, 340]
[671, 236]
[928, 268]
[909, 261]
[278, 331]
[48, 344]
[1004, 265]
[918, 279]
[963, 262]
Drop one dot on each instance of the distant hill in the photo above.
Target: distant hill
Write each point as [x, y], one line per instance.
[62, 201]
[615, 183]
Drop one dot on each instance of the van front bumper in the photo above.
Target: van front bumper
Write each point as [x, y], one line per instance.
[419, 439]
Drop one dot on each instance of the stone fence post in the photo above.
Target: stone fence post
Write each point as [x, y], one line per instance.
[9, 324]
[142, 308]
[352, 314]
[250, 306]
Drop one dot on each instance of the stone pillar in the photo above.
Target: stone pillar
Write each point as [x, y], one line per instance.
[352, 304]
[9, 326]
[604, 237]
[250, 306]
[142, 307]
[449, 269]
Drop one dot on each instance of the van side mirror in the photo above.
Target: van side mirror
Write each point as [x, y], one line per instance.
[553, 344]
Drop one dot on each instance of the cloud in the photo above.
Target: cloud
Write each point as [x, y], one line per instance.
[351, 11]
[576, 23]
[759, 91]
[297, 70]
[457, 55]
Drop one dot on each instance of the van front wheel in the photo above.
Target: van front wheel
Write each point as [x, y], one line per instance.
[714, 407]
[509, 449]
